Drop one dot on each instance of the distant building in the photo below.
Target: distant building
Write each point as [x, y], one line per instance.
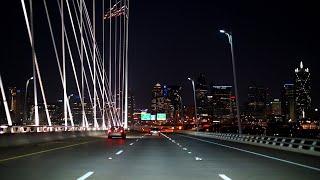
[167, 99]
[276, 107]
[202, 91]
[158, 101]
[173, 94]
[131, 107]
[258, 100]
[16, 100]
[55, 112]
[302, 91]
[288, 102]
[221, 103]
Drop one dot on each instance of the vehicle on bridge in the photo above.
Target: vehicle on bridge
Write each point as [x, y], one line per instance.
[154, 131]
[116, 131]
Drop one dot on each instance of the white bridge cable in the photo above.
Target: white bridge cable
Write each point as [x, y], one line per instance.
[118, 12]
[63, 67]
[101, 82]
[119, 67]
[5, 103]
[94, 65]
[36, 63]
[75, 75]
[110, 57]
[99, 58]
[56, 54]
[89, 53]
[71, 57]
[84, 119]
[126, 68]
[88, 22]
[34, 73]
[87, 58]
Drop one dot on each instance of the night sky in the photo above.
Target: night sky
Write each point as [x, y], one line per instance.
[171, 40]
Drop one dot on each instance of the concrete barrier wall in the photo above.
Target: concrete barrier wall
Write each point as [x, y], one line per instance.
[19, 139]
[299, 145]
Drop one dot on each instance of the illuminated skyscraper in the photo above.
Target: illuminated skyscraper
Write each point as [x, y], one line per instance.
[258, 99]
[161, 102]
[221, 103]
[173, 93]
[16, 104]
[201, 96]
[302, 91]
[288, 102]
[131, 106]
[158, 100]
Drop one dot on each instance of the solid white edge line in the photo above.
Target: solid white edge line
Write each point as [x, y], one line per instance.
[258, 154]
[224, 177]
[119, 152]
[85, 176]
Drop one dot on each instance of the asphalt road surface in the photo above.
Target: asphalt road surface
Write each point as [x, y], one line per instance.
[145, 157]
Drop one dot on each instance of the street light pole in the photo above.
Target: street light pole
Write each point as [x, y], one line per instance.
[229, 35]
[25, 99]
[195, 102]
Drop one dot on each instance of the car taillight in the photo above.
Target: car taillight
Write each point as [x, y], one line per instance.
[109, 131]
[121, 131]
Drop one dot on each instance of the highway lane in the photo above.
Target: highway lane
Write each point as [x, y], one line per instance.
[242, 161]
[64, 163]
[170, 156]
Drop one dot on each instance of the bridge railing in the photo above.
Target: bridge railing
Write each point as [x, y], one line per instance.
[32, 129]
[306, 146]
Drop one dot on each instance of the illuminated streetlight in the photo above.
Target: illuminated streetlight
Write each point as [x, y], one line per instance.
[195, 102]
[25, 99]
[229, 35]
[70, 96]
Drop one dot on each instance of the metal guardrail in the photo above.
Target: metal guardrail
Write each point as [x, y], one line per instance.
[22, 135]
[39, 129]
[307, 146]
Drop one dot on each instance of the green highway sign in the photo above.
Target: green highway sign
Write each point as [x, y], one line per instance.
[161, 116]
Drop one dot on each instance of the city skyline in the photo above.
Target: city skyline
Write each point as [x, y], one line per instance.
[280, 48]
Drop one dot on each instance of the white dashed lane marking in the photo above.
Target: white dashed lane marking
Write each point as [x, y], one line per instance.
[119, 152]
[85, 176]
[224, 177]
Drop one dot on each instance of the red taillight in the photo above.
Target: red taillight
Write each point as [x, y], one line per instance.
[121, 131]
[109, 131]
